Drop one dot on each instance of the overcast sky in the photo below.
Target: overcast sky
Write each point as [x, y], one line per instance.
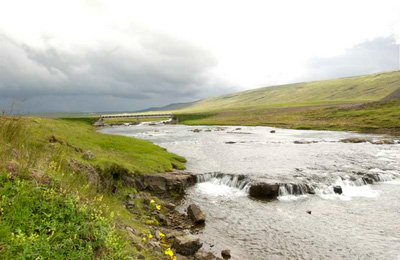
[127, 55]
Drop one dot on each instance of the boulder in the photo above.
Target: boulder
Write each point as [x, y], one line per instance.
[195, 214]
[337, 189]
[186, 245]
[264, 190]
[226, 254]
[272, 131]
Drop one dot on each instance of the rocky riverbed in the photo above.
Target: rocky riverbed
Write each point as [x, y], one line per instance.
[288, 194]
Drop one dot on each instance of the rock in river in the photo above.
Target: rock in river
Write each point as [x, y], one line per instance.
[226, 254]
[187, 245]
[195, 214]
[264, 190]
[338, 189]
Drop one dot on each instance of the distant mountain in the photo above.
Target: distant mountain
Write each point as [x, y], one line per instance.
[174, 106]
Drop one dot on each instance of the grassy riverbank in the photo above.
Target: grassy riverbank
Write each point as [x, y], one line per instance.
[60, 192]
[372, 118]
[355, 104]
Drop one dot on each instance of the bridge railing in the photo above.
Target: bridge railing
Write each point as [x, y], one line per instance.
[135, 115]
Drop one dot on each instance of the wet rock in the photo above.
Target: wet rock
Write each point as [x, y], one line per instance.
[384, 141]
[354, 140]
[226, 254]
[367, 180]
[308, 212]
[272, 131]
[186, 245]
[195, 214]
[337, 190]
[201, 255]
[196, 130]
[264, 190]
[230, 142]
[304, 142]
[88, 155]
[238, 129]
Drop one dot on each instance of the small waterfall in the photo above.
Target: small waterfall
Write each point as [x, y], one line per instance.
[296, 189]
[385, 177]
[236, 181]
[356, 188]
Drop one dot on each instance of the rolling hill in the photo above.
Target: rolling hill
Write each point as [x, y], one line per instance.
[368, 103]
[350, 90]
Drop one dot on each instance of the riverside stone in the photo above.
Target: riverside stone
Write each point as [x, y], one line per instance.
[226, 254]
[195, 214]
[264, 190]
[186, 245]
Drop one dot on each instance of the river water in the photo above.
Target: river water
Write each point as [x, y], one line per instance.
[361, 223]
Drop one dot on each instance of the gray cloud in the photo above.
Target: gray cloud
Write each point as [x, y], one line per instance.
[151, 69]
[379, 54]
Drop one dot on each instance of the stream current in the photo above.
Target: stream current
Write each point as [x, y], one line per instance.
[361, 223]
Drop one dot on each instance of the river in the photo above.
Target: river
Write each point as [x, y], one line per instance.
[361, 223]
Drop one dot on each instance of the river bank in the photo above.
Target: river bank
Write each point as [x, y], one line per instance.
[375, 117]
[86, 195]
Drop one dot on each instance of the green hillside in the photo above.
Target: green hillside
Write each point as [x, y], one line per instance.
[367, 103]
[338, 91]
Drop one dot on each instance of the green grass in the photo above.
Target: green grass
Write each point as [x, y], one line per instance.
[135, 155]
[378, 118]
[54, 204]
[330, 105]
[328, 92]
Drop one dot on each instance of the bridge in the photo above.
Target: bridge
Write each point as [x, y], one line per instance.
[136, 115]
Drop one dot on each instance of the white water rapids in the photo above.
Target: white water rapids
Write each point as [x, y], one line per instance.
[363, 222]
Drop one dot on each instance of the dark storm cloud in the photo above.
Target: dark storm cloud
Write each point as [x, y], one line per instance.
[153, 67]
[379, 54]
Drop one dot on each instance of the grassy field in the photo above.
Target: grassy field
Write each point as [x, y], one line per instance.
[57, 203]
[330, 105]
[328, 92]
[373, 118]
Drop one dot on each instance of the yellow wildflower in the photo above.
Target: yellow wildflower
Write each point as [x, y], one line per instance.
[144, 239]
[152, 202]
[158, 207]
[150, 236]
[162, 235]
[169, 252]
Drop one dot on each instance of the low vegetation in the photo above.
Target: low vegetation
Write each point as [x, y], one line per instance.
[356, 103]
[52, 206]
